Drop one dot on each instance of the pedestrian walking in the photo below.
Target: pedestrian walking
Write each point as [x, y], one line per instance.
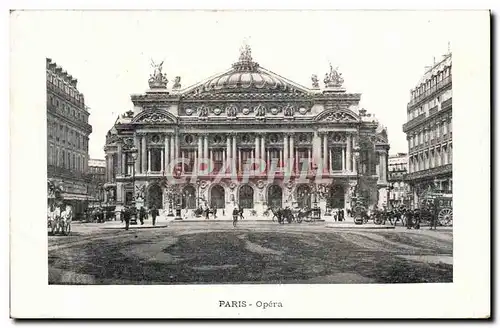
[240, 212]
[125, 214]
[142, 214]
[215, 212]
[236, 214]
[154, 214]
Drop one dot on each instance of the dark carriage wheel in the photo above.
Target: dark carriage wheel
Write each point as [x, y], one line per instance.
[299, 219]
[445, 217]
[377, 221]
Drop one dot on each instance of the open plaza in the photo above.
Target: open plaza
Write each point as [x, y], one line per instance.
[255, 251]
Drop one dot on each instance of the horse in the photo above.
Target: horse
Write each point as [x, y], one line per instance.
[302, 214]
[66, 219]
[53, 216]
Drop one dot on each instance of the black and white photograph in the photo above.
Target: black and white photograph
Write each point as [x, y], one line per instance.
[248, 148]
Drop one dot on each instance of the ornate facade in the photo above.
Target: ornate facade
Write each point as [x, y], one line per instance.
[429, 131]
[246, 136]
[68, 133]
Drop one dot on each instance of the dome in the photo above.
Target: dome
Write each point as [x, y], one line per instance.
[244, 80]
[245, 75]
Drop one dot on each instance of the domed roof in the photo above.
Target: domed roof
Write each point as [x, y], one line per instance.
[247, 75]
[242, 80]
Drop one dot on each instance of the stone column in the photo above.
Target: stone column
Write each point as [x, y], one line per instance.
[285, 152]
[325, 152]
[106, 176]
[233, 155]
[137, 163]
[379, 165]
[309, 159]
[239, 161]
[173, 156]
[343, 158]
[200, 146]
[384, 167]
[257, 148]
[119, 158]
[149, 160]
[330, 166]
[177, 145]
[205, 146]
[210, 158]
[355, 164]
[228, 149]
[144, 155]
[292, 153]
[167, 153]
[124, 163]
[348, 154]
[263, 148]
[162, 161]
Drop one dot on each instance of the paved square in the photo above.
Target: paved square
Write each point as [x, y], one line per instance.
[253, 252]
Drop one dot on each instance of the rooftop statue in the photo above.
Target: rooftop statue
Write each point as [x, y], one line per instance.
[246, 53]
[315, 81]
[333, 79]
[157, 80]
[177, 83]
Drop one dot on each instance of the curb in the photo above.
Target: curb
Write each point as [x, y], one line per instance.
[135, 228]
[361, 227]
[239, 221]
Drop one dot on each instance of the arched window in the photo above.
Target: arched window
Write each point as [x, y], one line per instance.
[274, 196]
[304, 196]
[335, 197]
[246, 196]
[217, 197]
[189, 197]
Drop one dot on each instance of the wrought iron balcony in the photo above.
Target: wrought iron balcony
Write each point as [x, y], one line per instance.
[443, 169]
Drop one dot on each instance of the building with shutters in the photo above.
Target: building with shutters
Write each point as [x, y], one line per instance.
[429, 132]
[68, 131]
[398, 188]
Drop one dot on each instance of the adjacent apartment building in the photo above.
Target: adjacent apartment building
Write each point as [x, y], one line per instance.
[68, 131]
[429, 132]
[97, 176]
[398, 188]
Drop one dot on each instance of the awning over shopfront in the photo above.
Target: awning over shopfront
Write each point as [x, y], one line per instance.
[81, 197]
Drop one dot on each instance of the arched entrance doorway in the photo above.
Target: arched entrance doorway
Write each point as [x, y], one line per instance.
[304, 196]
[274, 196]
[245, 197]
[155, 197]
[217, 197]
[189, 197]
[336, 197]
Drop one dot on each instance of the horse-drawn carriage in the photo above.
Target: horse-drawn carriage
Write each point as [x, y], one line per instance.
[59, 218]
[295, 214]
[435, 206]
[59, 213]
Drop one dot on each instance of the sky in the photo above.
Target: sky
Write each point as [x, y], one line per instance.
[381, 55]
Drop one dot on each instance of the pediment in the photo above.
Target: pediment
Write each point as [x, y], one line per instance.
[153, 116]
[337, 116]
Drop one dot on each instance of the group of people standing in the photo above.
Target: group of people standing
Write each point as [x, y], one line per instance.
[339, 214]
[128, 212]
